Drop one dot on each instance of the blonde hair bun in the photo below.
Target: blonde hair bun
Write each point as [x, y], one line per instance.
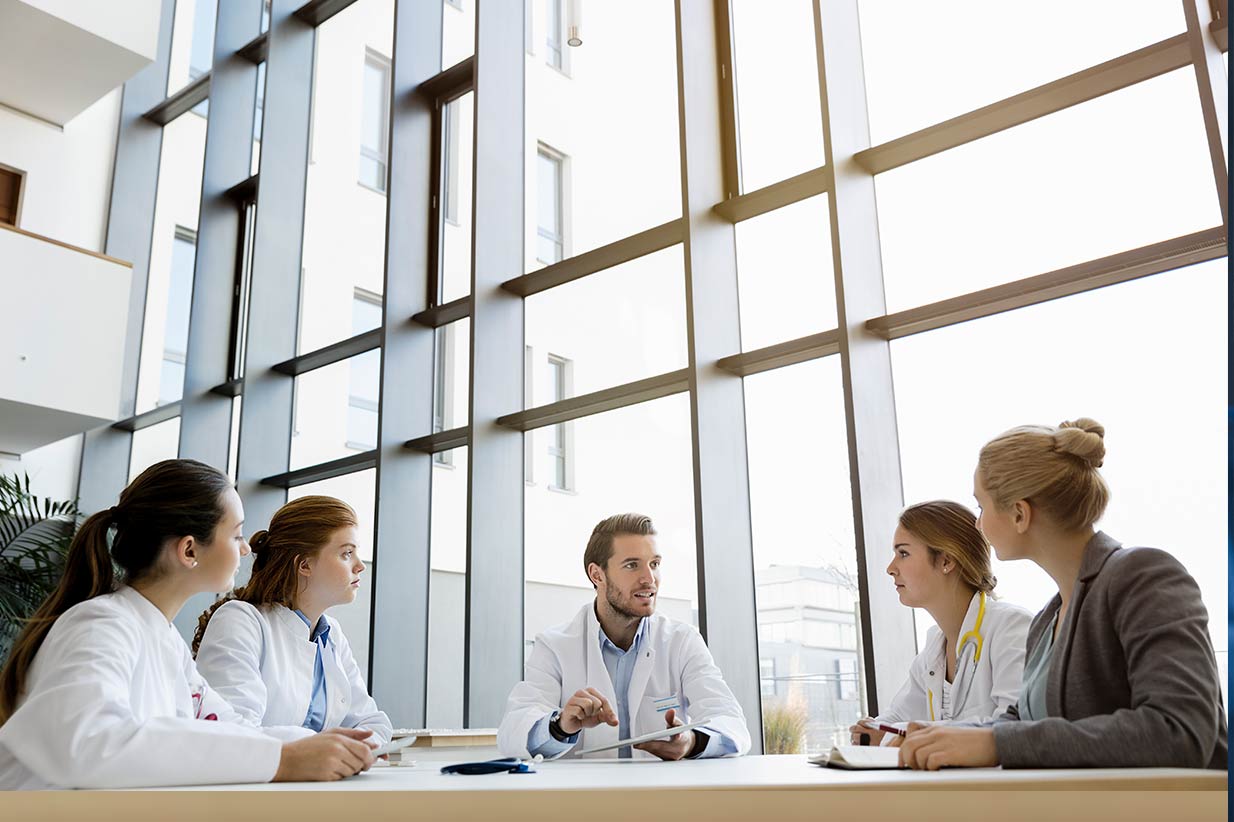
[1083, 438]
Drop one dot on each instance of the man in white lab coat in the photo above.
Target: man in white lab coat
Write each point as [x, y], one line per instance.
[620, 670]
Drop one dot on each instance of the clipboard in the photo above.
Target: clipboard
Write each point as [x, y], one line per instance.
[649, 737]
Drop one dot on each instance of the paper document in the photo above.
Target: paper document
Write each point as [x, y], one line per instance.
[638, 740]
[394, 745]
[859, 757]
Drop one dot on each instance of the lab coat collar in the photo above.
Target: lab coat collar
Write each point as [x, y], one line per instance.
[320, 632]
[634, 643]
[147, 610]
[294, 623]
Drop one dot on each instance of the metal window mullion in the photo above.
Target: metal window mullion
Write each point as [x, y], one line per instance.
[727, 609]
[275, 283]
[1210, 75]
[494, 601]
[865, 360]
[130, 231]
[398, 652]
[205, 423]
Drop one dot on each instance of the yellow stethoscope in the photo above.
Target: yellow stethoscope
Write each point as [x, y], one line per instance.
[966, 663]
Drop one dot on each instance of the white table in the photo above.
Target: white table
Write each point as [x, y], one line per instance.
[749, 788]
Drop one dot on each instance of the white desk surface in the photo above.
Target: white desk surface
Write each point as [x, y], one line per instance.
[749, 773]
[755, 788]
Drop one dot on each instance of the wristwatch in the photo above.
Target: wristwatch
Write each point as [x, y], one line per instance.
[554, 728]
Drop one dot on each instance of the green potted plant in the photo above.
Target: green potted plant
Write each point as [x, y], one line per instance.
[35, 533]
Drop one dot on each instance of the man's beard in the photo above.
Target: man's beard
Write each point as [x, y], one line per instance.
[617, 607]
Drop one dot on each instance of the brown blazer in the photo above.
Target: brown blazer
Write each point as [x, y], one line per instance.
[1133, 679]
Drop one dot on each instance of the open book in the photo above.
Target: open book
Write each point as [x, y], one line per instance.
[859, 757]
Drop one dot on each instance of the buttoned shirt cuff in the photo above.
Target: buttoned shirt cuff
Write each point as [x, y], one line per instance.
[717, 745]
[540, 741]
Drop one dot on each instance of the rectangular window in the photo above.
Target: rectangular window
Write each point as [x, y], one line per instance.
[443, 388]
[767, 677]
[241, 290]
[559, 448]
[10, 194]
[554, 28]
[550, 245]
[375, 125]
[846, 678]
[179, 302]
[450, 139]
[363, 379]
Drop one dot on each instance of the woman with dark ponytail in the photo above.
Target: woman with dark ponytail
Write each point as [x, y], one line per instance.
[100, 691]
[272, 651]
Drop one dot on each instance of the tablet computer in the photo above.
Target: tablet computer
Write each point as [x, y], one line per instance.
[394, 745]
[663, 733]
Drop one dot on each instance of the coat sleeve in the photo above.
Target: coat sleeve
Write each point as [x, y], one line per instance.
[363, 712]
[229, 658]
[708, 696]
[78, 729]
[1174, 718]
[538, 695]
[906, 704]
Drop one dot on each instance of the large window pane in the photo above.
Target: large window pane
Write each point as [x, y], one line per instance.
[153, 444]
[451, 385]
[192, 42]
[336, 410]
[358, 490]
[447, 599]
[610, 115]
[345, 203]
[633, 459]
[458, 143]
[1147, 359]
[172, 259]
[458, 31]
[805, 562]
[779, 115]
[1119, 172]
[784, 274]
[616, 326]
[923, 61]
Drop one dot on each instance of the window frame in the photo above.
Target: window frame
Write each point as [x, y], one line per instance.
[380, 154]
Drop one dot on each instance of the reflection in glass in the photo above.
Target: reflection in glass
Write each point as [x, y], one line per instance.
[617, 326]
[451, 387]
[345, 207]
[152, 444]
[613, 114]
[458, 144]
[805, 560]
[192, 42]
[336, 410]
[447, 590]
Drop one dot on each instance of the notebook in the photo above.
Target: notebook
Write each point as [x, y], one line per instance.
[859, 757]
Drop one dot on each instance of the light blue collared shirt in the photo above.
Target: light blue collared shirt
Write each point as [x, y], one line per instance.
[620, 667]
[315, 719]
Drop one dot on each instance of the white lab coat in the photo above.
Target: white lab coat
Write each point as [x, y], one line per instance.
[261, 660]
[998, 673]
[113, 700]
[673, 661]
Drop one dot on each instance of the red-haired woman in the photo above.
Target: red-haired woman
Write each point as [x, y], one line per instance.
[271, 650]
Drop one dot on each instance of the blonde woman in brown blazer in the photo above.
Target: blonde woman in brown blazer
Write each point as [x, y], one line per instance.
[1120, 669]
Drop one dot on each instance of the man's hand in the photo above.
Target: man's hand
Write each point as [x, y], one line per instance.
[930, 747]
[674, 747]
[586, 709]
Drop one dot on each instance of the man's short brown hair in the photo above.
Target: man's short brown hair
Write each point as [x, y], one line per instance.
[600, 546]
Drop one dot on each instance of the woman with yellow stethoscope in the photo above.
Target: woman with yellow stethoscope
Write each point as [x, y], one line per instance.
[972, 662]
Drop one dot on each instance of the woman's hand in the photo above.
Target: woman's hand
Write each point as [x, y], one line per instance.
[930, 747]
[876, 736]
[334, 754]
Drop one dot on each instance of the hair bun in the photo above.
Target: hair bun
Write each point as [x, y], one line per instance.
[1083, 438]
[258, 541]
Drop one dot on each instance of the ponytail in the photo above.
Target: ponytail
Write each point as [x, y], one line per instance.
[88, 572]
[172, 498]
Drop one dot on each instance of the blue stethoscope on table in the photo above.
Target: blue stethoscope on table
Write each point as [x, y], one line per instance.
[965, 664]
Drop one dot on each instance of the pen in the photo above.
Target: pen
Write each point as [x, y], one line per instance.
[882, 726]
